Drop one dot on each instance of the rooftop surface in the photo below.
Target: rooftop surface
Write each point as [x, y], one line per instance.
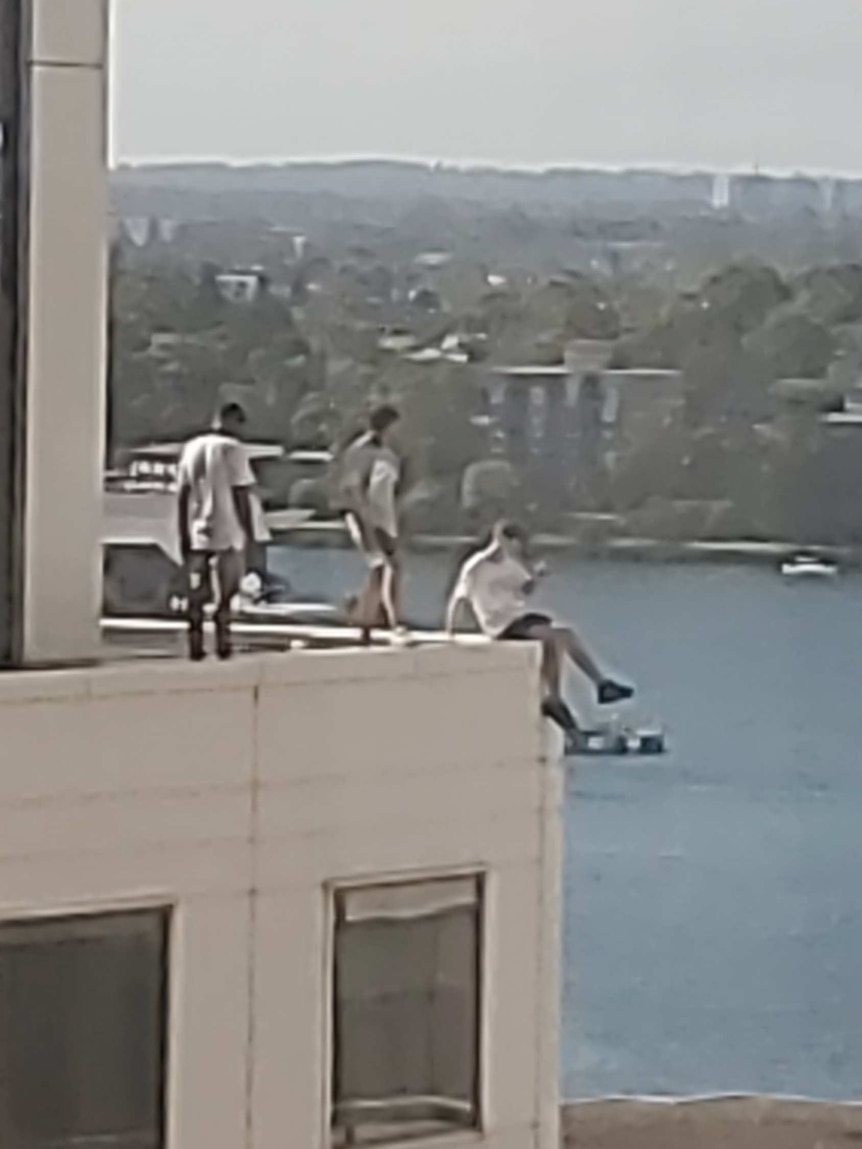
[129, 638]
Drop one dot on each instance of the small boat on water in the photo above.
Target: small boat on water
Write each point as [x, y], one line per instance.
[613, 741]
[807, 564]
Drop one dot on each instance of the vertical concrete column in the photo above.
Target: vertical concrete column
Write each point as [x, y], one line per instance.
[550, 943]
[65, 391]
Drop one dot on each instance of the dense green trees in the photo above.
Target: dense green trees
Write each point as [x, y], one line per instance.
[308, 365]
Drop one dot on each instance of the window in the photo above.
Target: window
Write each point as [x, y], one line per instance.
[82, 1032]
[406, 1015]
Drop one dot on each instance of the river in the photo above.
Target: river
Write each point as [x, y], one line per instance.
[713, 897]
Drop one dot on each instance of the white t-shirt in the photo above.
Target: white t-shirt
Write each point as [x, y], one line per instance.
[369, 482]
[355, 467]
[212, 466]
[381, 493]
[496, 585]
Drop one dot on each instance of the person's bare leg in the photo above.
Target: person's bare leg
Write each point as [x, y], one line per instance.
[551, 668]
[553, 704]
[571, 645]
[558, 643]
[370, 603]
[390, 593]
[363, 608]
[555, 647]
[607, 689]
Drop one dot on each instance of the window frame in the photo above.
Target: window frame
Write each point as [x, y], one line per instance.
[90, 922]
[333, 890]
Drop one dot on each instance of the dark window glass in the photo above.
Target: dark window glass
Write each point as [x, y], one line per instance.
[406, 1011]
[82, 1032]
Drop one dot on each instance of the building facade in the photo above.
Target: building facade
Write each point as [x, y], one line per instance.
[302, 900]
[307, 900]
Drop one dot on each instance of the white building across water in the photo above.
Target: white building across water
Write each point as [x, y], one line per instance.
[298, 901]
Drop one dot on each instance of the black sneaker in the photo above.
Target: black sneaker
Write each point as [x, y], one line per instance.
[610, 692]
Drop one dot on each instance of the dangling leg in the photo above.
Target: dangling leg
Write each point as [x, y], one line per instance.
[607, 690]
[551, 668]
[553, 705]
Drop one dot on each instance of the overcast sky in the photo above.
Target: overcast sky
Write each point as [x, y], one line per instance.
[718, 83]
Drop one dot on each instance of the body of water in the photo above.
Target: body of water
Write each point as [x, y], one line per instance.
[713, 917]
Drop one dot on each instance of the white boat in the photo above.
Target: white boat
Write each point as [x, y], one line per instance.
[808, 566]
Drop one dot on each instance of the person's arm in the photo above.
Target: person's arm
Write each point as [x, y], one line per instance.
[533, 572]
[242, 485]
[458, 600]
[242, 502]
[453, 612]
[405, 477]
[354, 492]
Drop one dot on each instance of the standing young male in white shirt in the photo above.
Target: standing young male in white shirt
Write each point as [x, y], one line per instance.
[496, 583]
[215, 522]
[370, 473]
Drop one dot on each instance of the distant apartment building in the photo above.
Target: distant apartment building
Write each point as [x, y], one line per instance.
[144, 230]
[672, 188]
[847, 197]
[242, 286]
[560, 415]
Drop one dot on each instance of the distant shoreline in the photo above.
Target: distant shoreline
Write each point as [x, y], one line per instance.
[737, 551]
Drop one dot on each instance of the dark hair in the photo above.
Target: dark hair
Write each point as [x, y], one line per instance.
[383, 417]
[512, 530]
[233, 411]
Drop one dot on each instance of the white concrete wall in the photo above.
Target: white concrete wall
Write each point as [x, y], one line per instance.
[240, 792]
[67, 328]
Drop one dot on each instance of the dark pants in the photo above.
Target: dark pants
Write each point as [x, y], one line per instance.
[212, 575]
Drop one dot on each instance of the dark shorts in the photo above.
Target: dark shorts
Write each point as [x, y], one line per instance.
[524, 629]
[378, 548]
[213, 574]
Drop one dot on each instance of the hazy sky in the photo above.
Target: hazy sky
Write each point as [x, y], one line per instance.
[722, 83]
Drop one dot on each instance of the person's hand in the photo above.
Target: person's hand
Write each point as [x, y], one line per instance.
[540, 569]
